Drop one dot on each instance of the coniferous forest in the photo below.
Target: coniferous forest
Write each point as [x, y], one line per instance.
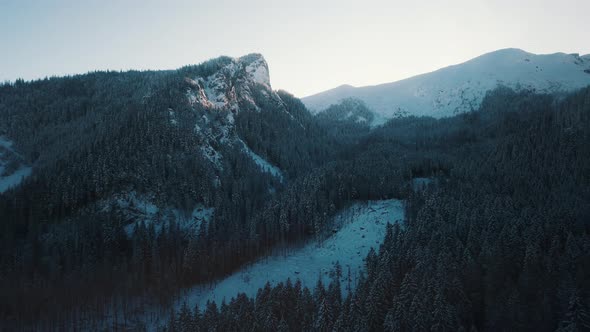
[500, 243]
[499, 240]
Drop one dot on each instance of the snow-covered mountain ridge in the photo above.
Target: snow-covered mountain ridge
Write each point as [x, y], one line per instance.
[461, 88]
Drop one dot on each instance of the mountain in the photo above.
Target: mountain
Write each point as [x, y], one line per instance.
[208, 115]
[121, 193]
[192, 157]
[495, 235]
[461, 88]
[231, 85]
[239, 84]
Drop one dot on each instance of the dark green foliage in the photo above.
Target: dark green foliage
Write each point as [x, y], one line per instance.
[350, 120]
[500, 243]
[292, 140]
[90, 137]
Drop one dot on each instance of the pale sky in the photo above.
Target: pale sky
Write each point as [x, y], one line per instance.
[310, 46]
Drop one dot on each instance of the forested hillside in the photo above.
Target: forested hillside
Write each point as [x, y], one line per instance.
[499, 242]
[104, 146]
[143, 184]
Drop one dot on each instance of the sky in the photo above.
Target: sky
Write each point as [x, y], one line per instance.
[310, 45]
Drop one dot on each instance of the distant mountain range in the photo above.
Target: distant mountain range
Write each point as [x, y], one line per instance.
[461, 88]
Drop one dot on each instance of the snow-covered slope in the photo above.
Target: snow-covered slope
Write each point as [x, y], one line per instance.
[461, 88]
[262, 163]
[362, 227]
[359, 228]
[12, 167]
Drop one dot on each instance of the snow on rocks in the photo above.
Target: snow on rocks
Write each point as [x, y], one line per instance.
[257, 69]
[141, 209]
[230, 85]
[220, 96]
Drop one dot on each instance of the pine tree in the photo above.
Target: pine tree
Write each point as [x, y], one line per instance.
[577, 318]
[185, 319]
[197, 317]
[324, 317]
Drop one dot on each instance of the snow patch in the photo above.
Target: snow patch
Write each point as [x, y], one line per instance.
[172, 116]
[201, 214]
[420, 183]
[12, 168]
[137, 209]
[217, 89]
[140, 209]
[6, 143]
[14, 179]
[212, 155]
[264, 165]
[224, 88]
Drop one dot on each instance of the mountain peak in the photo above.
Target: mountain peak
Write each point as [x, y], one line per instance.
[256, 68]
[232, 82]
[461, 88]
[510, 50]
[251, 57]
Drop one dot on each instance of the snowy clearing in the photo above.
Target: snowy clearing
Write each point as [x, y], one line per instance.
[362, 228]
[140, 209]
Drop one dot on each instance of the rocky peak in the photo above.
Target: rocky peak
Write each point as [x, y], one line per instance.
[232, 84]
[256, 68]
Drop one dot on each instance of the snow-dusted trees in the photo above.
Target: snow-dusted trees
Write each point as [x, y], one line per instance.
[501, 243]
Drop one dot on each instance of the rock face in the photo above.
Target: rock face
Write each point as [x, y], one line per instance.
[461, 88]
[233, 85]
[237, 84]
